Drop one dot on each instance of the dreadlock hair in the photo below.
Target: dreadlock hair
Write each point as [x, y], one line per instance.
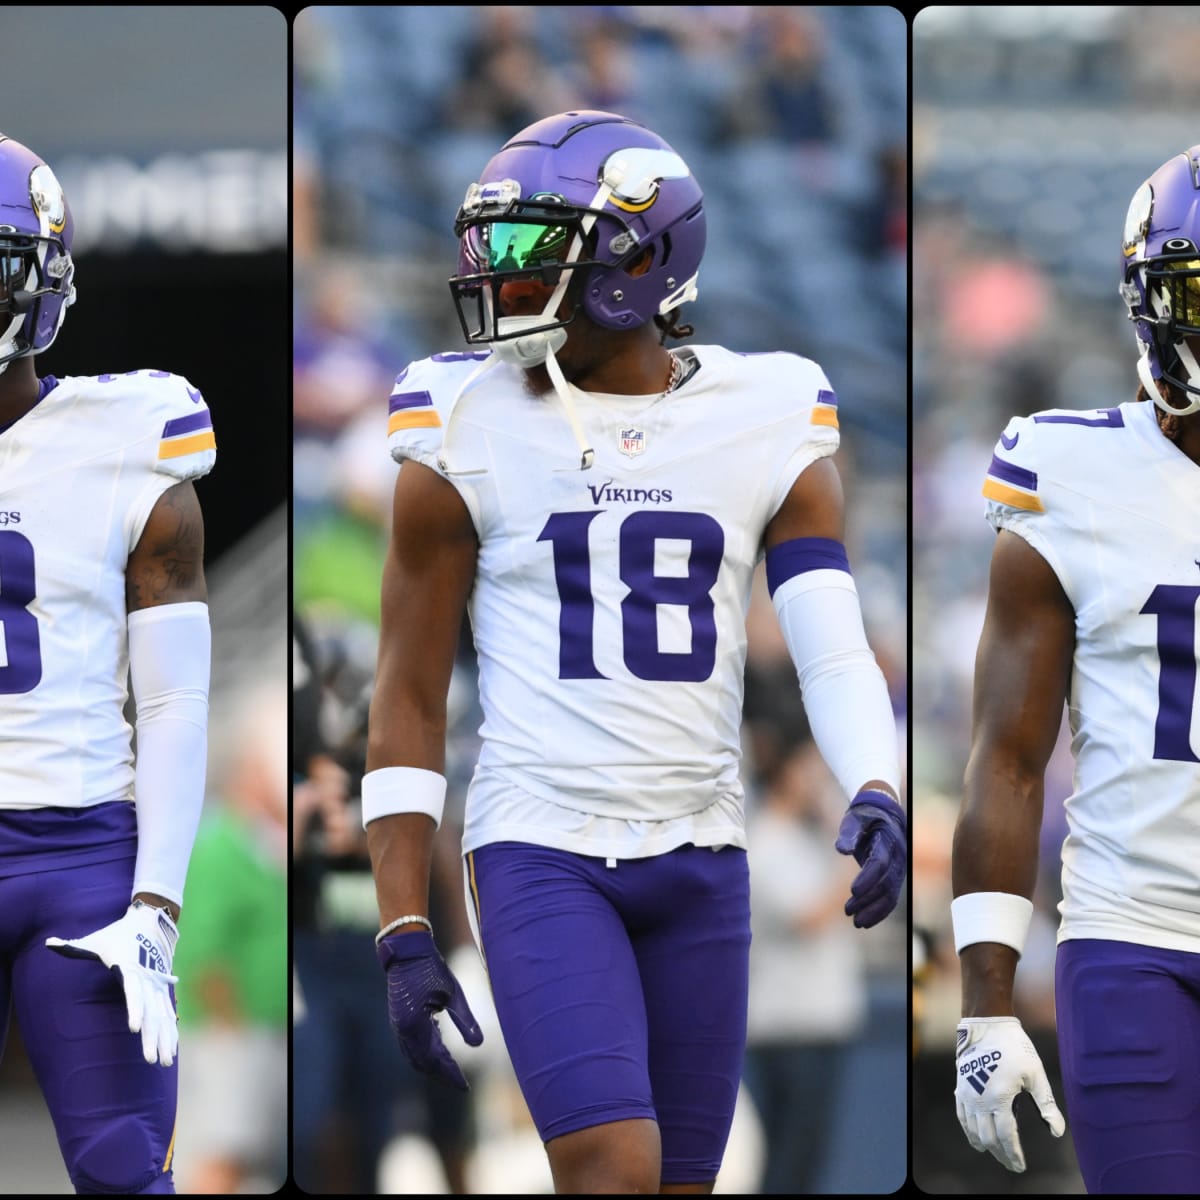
[1170, 423]
[669, 326]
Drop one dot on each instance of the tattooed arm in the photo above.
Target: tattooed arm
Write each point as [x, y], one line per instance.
[170, 661]
[167, 564]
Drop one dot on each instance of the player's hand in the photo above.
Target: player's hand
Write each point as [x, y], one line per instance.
[141, 947]
[875, 831]
[420, 984]
[996, 1061]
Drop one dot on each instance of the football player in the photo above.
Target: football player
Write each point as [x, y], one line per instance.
[598, 503]
[1095, 582]
[101, 580]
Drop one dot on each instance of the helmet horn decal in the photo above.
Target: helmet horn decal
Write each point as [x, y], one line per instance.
[634, 175]
[48, 199]
[1137, 221]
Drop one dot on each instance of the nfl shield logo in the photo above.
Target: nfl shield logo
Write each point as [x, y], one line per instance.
[631, 442]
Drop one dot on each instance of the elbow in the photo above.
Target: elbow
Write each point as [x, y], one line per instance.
[406, 730]
[1002, 776]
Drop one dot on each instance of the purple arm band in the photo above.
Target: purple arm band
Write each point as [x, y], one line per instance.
[804, 554]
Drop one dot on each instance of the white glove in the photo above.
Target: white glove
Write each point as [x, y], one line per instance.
[996, 1061]
[141, 946]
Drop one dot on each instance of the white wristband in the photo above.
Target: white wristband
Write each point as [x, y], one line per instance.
[990, 917]
[391, 790]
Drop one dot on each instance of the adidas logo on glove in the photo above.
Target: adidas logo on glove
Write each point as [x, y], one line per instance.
[149, 955]
[977, 1071]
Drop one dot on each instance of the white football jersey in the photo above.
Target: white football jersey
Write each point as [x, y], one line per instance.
[1114, 508]
[609, 605]
[79, 476]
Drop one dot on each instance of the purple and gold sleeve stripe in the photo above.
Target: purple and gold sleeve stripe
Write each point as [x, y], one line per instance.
[412, 410]
[789, 559]
[187, 435]
[825, 410]
[1012, 485]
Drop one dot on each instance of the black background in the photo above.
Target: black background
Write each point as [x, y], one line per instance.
[224, 322]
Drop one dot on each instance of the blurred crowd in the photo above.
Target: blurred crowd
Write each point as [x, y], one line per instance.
[232, 962]
[1032, 128]
[793, 120]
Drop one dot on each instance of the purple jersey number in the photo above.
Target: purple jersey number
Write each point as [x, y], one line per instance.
[1175, 607]
[640, 531]
[20, 644]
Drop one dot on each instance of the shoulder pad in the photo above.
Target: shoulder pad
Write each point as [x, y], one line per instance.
[800, 387]
[187, 445]
[778, 385]
[1039, 449]
[420, 404]
[173, 416]
[1011, 481]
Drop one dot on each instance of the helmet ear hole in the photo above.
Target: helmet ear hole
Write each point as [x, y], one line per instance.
[642, 263]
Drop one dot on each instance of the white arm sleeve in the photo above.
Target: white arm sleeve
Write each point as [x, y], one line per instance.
[845, 694]
[170, 653]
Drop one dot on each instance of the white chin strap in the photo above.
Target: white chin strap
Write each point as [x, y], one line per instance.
[566, 392]
[530, 350]
[1191, 369]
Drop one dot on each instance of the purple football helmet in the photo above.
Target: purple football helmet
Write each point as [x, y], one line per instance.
[36, 271]
[591, 190]
[1161, 284]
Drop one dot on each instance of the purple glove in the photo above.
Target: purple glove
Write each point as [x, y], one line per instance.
[419, 984]
[875, 831]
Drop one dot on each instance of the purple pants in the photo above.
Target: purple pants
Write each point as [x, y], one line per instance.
[1129, 1041]
[621, 991]
[113, 1112]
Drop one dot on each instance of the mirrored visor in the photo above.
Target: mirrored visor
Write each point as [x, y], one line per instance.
[1183, 285]
[13, 271]
[511, 246]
